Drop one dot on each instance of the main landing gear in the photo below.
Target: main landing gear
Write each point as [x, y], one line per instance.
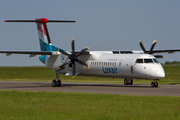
[128, 81]
[154, 84]
[57, 82]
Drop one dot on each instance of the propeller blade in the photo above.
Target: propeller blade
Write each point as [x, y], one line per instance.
[152, 47]
[82, 51]
[64, 64]
[74, 70]
[64, 52]
[142, 46]
[83, 63]
[73, 58]
[72, 46]
[159, 56]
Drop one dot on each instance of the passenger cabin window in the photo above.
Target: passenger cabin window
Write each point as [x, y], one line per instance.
[139, 61]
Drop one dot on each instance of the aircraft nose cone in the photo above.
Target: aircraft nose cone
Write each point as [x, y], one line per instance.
[160, 72]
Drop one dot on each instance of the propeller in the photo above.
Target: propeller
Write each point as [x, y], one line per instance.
[73, 57]
[151, 49]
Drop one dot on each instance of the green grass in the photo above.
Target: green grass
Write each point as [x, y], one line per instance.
[44, 74]
[20, 105]
[47, 74]
[172, 74]
[17, 105]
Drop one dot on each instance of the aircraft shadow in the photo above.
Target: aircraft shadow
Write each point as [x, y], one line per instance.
[63, 85]
[105, 85]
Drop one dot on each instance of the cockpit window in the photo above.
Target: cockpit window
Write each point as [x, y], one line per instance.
[139, 61]
[155, 61]
[148, 61]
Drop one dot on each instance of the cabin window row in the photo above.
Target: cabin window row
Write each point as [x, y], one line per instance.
[102, 63]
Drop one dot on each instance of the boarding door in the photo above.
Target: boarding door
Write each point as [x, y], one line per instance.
[120, 67]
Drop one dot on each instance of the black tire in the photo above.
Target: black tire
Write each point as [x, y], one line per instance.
[130, 81]
[59, 83]
[54, 83]
[155, 84]
[152, 84]
[125, 81]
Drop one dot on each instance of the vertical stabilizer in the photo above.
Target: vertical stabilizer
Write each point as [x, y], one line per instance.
[44, 39]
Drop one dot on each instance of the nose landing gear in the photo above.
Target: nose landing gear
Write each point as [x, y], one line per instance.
[154, 84]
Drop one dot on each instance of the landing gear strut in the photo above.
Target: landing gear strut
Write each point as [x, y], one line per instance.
[128, 81]
[57, 82]
[154, 84]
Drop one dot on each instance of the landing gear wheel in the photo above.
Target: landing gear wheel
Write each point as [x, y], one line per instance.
[128, 81]
[59, 83]
[155, 84]
[125, 81]
[152, 84]
[54, 83]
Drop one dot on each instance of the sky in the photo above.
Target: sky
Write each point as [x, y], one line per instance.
[102, 25]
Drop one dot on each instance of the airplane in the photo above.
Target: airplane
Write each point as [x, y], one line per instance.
[116, 64]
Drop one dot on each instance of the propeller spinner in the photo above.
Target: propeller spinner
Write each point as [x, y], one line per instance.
[73, 57]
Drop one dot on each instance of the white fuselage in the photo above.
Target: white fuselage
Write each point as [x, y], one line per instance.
[106, 64]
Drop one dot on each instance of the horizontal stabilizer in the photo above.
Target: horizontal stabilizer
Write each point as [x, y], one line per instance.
[31, 53]
[44, 20]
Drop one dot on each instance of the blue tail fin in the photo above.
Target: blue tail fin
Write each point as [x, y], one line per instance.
[44, 39]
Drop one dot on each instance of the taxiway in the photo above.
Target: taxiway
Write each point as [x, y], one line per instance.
[105, 88]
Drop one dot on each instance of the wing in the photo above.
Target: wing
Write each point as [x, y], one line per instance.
[170, 51]
[164, 51]
[31, 53]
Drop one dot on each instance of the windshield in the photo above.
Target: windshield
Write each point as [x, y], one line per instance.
[146, 60]
[139, 61]
[155, 60]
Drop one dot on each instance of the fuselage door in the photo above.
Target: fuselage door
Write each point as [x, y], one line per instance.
[120, 67]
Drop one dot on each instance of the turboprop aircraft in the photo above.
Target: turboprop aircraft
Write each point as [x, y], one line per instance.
[116, 64]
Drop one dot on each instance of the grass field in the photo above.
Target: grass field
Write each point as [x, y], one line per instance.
[22, 105]
[47, 74]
